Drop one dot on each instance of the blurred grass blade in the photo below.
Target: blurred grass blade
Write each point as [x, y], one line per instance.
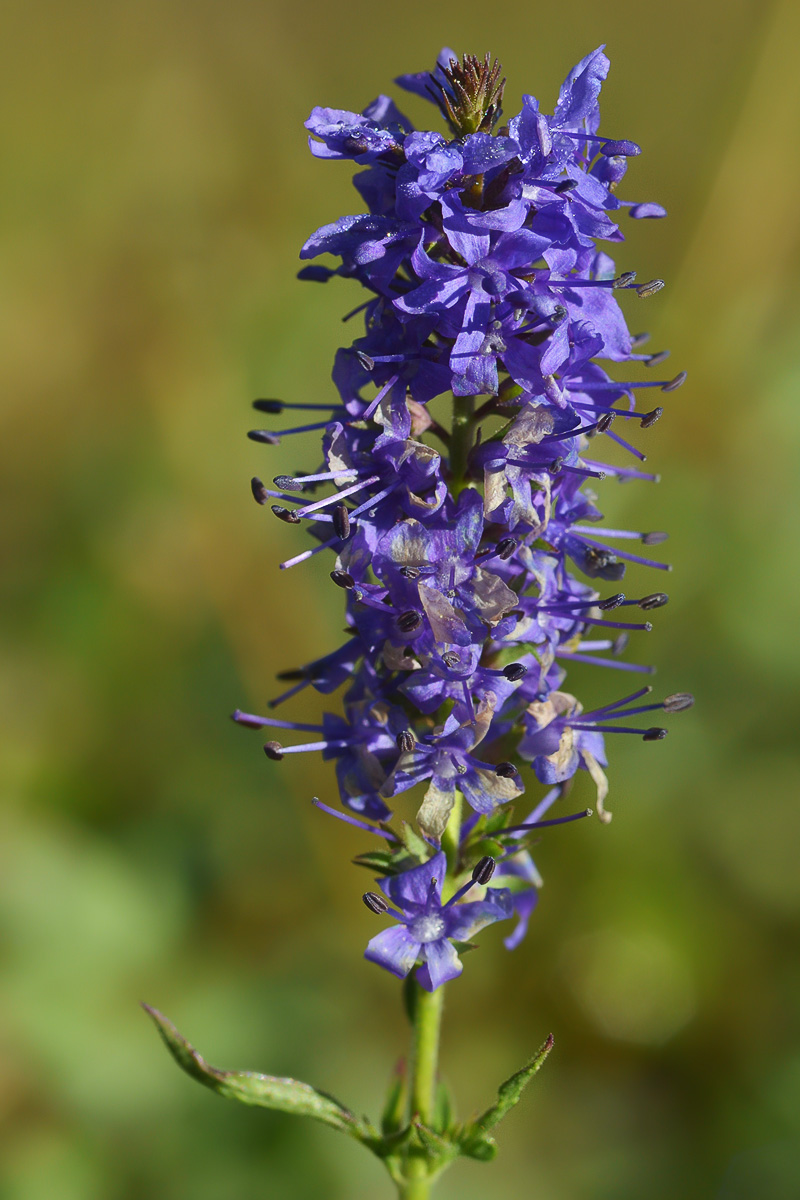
[266, 1091]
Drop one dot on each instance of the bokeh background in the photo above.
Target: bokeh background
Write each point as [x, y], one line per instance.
[156, 190]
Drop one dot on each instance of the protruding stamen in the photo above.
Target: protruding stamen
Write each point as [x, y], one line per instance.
[654, 735]
[587, 812]
[277, 406]
[654, 539]
[515, 671]
[483, 870]
[649, 289]
[612, 602]
[650, 418]
[506, 547]
[367, 363]
[624, 280]
[410, 572]
[273, 750]
[451, 659]
[406, 741]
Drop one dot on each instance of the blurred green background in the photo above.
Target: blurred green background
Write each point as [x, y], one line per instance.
[157, 189]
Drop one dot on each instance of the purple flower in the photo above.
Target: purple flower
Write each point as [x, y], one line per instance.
[427, 927]
[474, 562]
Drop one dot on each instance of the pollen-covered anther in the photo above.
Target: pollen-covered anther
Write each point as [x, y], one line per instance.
[287, 483]
[285, 514]
[451, 659]
[375, 903]
[260, 494]
[606, 421]
[623, 281]
[408, 621]
[483, 870]
[273, 750]
[649, 289]
[611, 602]
[406, 741]
[651, 417]
[654, 735]
[678, 702]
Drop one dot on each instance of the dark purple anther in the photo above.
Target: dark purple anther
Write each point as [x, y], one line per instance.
[654, 600]
[483, 870]
[260, 494]
[654, 735]
[408, 621]
[343, 579]
[273, 750]
[375, 903]
[263, 435]
[341, 521]
[506, 770]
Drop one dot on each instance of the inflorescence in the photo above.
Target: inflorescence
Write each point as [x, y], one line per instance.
[471, 557]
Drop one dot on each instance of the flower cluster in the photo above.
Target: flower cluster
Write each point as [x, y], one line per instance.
[471, 557]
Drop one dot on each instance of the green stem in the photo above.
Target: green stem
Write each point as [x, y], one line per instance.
[426, 1022]
[451, 844]
[418, 1188]
[425, 1052]
[461, 440]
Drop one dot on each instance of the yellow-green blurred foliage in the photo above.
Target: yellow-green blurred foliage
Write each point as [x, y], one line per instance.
[157, 187]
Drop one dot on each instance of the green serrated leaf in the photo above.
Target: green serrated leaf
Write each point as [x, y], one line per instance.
[442, 1117]
[394, 1108]
[508, 1093]
[376, 860]
[266, 1091]
[414, 843]
[478, 1146]
[464, 947]
[497, 820]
